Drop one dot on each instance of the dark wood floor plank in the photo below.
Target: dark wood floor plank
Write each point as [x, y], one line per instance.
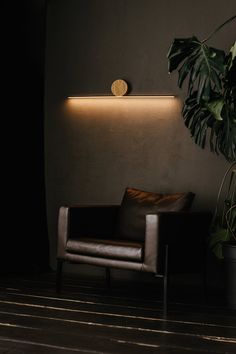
[110, 296]
[175, 315]
[111, 344]
[18, 346]
[27, 348]
[109, 318]
[81, 341]
[113, 332]
[74, 284]
[88, 318]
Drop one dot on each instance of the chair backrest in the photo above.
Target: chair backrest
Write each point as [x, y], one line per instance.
[136, 204]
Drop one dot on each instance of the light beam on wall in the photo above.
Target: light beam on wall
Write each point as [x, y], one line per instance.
[125, 106]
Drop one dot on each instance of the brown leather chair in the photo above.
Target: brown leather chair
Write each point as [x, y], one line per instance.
[172, 241]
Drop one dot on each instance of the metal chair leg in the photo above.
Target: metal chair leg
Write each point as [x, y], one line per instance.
[59, 275]
[165, 279]
[204, 277]
[165, 282]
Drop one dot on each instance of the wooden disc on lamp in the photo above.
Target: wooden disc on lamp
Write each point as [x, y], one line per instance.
[119, 87]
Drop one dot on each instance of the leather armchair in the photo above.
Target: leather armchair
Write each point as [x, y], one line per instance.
[173, 241]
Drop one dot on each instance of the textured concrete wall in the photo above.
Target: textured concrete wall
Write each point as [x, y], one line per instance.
[95, 148]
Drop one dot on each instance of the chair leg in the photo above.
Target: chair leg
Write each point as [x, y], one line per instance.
[204, 279]
[165, 279]
[165, 282]
[59, 275]
[108, 277]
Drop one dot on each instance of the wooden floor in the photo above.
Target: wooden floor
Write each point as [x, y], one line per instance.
[90, 318]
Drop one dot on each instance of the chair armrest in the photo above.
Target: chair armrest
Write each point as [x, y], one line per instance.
[62, 231]
[151, 246]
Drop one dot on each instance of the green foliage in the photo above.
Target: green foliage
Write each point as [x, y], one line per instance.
[223, 226]
[218, 236]
[211, 91]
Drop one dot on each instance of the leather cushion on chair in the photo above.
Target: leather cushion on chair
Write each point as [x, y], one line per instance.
[115, 249]
[137, 203]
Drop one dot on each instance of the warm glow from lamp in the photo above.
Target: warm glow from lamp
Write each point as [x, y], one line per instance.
[125, 106]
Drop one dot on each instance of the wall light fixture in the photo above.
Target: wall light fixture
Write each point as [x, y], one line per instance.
[119, 89]
[121, 97]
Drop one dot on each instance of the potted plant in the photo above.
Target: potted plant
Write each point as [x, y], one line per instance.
[209, 112]
[222, 240]
[209, 109]
[223, 226]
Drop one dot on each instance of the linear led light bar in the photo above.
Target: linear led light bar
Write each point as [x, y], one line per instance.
[123, 97]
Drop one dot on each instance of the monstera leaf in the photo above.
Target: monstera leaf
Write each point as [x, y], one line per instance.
[210, 104]
[203, 65]
[232, 55]
[198, 118]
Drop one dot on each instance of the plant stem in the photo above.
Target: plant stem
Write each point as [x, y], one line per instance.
[220, 190]
[227, 218]
[218, 28]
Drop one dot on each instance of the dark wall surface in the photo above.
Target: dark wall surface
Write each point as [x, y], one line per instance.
[96, 148]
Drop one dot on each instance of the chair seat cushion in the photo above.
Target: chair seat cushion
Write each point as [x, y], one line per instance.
[115, 249]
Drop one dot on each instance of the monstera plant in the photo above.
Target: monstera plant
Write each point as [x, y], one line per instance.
[209, 112]
[209, 109]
